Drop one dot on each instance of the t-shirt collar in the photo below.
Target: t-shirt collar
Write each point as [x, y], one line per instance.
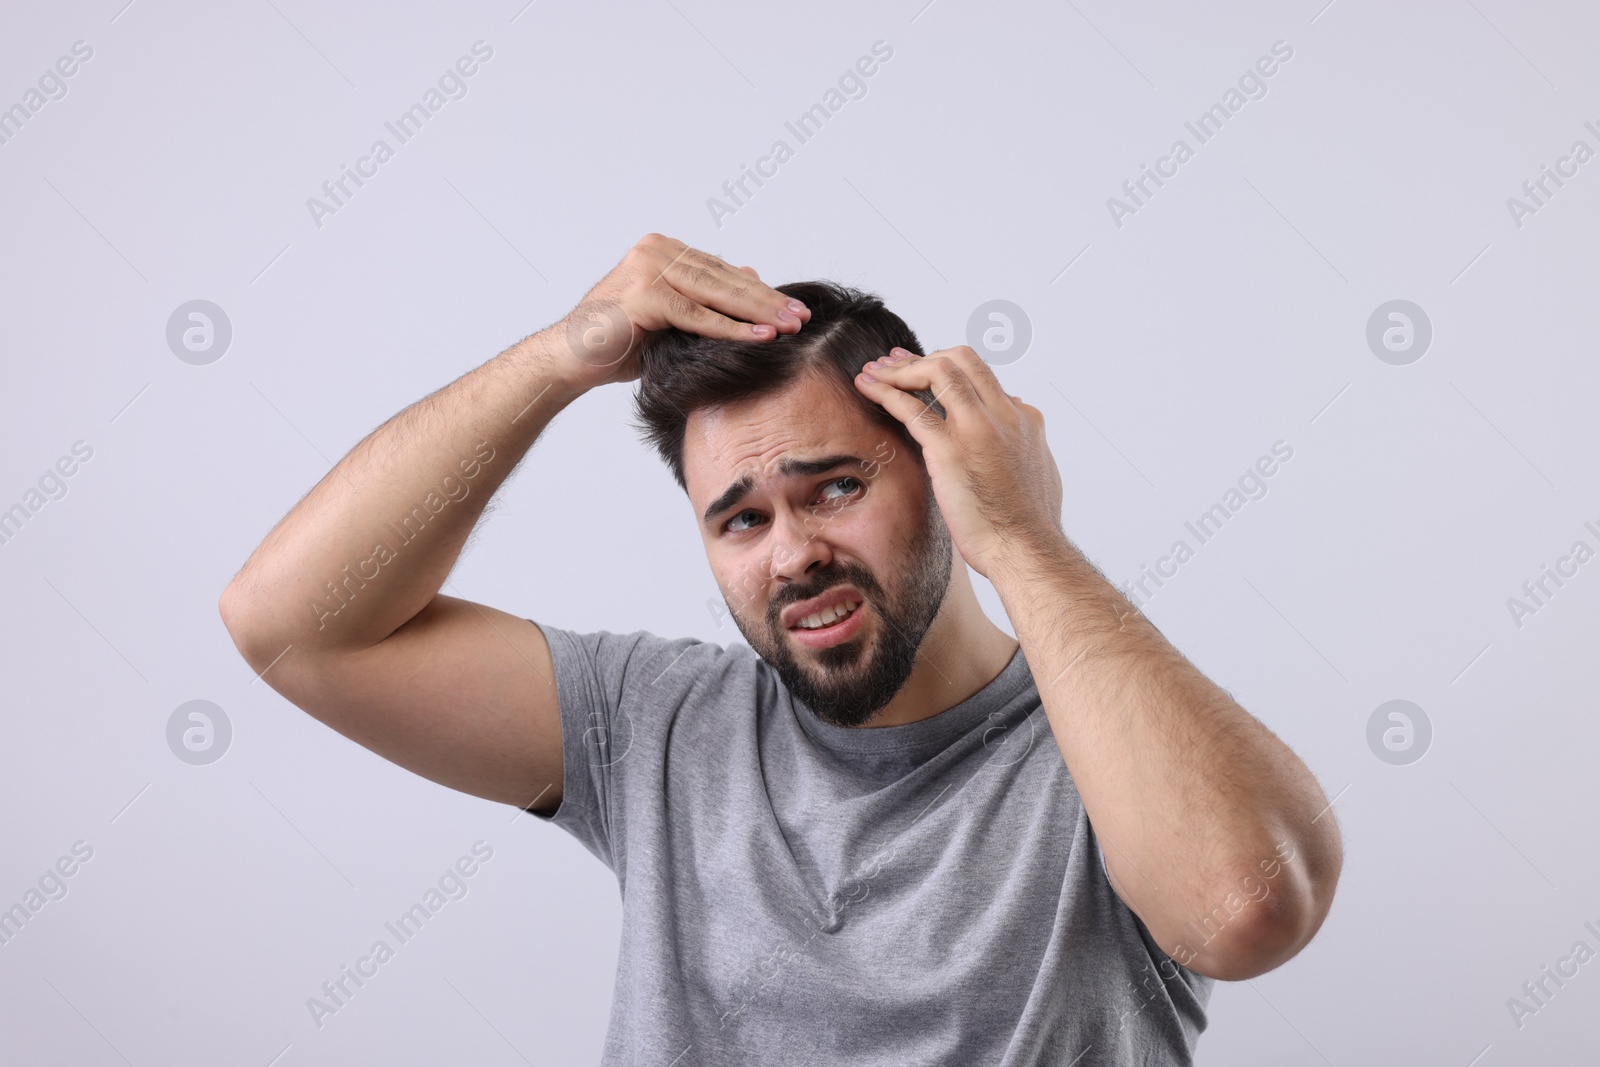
[938, 729]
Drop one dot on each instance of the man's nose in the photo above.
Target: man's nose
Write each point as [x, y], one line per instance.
[797, 545]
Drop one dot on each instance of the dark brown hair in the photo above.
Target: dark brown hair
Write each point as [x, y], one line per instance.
[682, 372]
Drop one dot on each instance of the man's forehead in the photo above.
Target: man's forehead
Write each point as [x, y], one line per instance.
[754, 438]
[725, 457]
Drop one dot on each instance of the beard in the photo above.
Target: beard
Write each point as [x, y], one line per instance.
[848, 683]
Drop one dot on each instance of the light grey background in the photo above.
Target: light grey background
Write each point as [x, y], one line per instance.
[1168, 354]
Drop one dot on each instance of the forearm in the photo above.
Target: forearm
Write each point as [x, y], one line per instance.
[1188, 793]
[370, 545]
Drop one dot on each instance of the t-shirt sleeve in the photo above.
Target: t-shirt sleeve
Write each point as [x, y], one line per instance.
[601, 679]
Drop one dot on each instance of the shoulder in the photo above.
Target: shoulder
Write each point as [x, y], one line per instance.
[641, 664]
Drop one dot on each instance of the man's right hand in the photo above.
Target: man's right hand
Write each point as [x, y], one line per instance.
[664, 283]
[363, 640]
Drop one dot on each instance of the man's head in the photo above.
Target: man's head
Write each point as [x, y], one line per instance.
[803, 488]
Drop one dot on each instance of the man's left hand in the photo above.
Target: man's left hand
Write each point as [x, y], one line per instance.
[993, 476]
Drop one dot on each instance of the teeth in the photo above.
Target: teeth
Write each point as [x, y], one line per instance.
[829, 615]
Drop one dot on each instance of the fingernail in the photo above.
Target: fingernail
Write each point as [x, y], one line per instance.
[760, 329]
[894, 356]
[796, 307]
[788, 316]
[867, 377]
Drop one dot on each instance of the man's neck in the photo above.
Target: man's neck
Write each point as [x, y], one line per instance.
[962, 652]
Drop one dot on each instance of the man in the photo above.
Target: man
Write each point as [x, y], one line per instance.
[884, 833]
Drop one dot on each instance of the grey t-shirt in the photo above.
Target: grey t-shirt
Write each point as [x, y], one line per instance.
[795, 892]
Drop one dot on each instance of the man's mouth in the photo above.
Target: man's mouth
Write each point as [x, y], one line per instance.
[827, 616]
[831, 626]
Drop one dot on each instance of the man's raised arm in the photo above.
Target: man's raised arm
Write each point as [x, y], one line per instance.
[339, 607]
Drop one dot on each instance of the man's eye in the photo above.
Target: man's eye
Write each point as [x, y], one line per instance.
[841, 481]
[733, 524]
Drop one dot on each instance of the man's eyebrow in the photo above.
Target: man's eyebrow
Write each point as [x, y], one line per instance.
[789, 467]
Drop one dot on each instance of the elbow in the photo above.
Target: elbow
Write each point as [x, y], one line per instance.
[230, 608]
[233, 606]
[1263, 937]
[242, 621]
[1281, 916]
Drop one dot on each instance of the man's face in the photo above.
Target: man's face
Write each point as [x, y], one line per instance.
[866, 529]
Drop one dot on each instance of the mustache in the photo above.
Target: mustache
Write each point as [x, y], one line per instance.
[861, 579]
